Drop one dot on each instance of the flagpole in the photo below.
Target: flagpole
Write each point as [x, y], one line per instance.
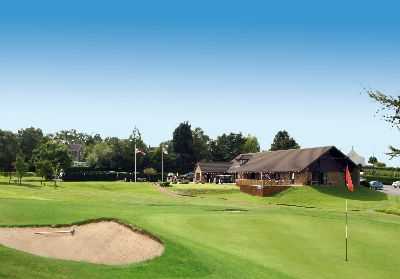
[162, 163]
[135, 160]
[347, 232]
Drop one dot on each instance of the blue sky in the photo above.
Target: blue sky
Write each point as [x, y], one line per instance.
[250, 66]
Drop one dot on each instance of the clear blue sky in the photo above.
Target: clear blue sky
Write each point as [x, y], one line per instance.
[250, 66]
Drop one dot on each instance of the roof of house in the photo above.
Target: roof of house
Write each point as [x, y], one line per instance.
[357, 159]
[215, 167]
[246, 156]
[295, 160]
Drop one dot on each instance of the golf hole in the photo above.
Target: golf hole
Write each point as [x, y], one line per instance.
[103, 242]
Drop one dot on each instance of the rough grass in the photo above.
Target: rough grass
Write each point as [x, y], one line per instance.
[296, 234]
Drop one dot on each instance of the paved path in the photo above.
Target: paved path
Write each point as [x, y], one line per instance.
[390, 190]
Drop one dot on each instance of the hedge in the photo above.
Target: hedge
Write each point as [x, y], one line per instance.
[94, 175]
[387, 180]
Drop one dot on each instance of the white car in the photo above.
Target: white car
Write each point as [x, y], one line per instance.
[396, 184]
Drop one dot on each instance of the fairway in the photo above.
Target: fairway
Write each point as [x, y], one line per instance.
[212, 231]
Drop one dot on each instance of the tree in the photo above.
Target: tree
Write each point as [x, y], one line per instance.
[183, 147]
[8, 150]
[20, 167]
[141, 160]
[372, 160]
[154, 157]
[28, 140]
[117, 154]
[92, 140]
[201, 146]
[227, 147]
[283, 141]
[183, 139]
[380, 165]
[390, 108]
[45, 169]
[120, 155]
[100, 156]
[51, 157]
[72, 137]
[251, 145]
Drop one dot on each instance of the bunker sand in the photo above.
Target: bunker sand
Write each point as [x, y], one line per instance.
[106, 242]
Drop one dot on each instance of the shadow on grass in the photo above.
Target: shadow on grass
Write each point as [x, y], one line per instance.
[27, 185]
[360, 193]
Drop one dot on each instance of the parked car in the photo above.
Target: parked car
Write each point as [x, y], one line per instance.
[185, 178]
[396, 184]
[376, 185]
[188, 176]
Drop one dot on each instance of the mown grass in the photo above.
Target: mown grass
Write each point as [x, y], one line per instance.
[271, 239]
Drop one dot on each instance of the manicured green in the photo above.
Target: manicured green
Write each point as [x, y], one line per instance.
[296, 234]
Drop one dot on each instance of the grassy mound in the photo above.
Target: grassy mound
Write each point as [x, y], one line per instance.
[333, 197]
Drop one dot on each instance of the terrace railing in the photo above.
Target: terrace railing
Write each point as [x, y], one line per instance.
[257, 182]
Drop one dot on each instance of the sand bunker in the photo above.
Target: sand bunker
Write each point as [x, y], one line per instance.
[105, 242]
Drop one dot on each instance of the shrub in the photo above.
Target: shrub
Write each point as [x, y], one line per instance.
[82, 174]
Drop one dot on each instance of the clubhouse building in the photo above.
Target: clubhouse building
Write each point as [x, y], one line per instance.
[266, 173]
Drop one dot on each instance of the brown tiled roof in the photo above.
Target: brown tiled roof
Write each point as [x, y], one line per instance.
[215, 167]
[294, 160]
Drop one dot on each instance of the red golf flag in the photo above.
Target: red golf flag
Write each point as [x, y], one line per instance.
[349, 181]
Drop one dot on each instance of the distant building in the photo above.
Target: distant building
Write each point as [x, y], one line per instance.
[209, 171]
[266, 173]
[76, 151]
[356, 158]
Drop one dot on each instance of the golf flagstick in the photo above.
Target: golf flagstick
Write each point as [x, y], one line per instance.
[347, 233]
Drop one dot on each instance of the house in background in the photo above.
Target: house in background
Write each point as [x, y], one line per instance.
[76, 151]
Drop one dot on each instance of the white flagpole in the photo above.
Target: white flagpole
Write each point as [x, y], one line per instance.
[135, 160]
[162, 163]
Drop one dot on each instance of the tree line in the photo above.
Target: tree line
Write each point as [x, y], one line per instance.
[47, 154]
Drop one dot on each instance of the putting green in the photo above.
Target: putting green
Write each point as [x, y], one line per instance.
[214, 232]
